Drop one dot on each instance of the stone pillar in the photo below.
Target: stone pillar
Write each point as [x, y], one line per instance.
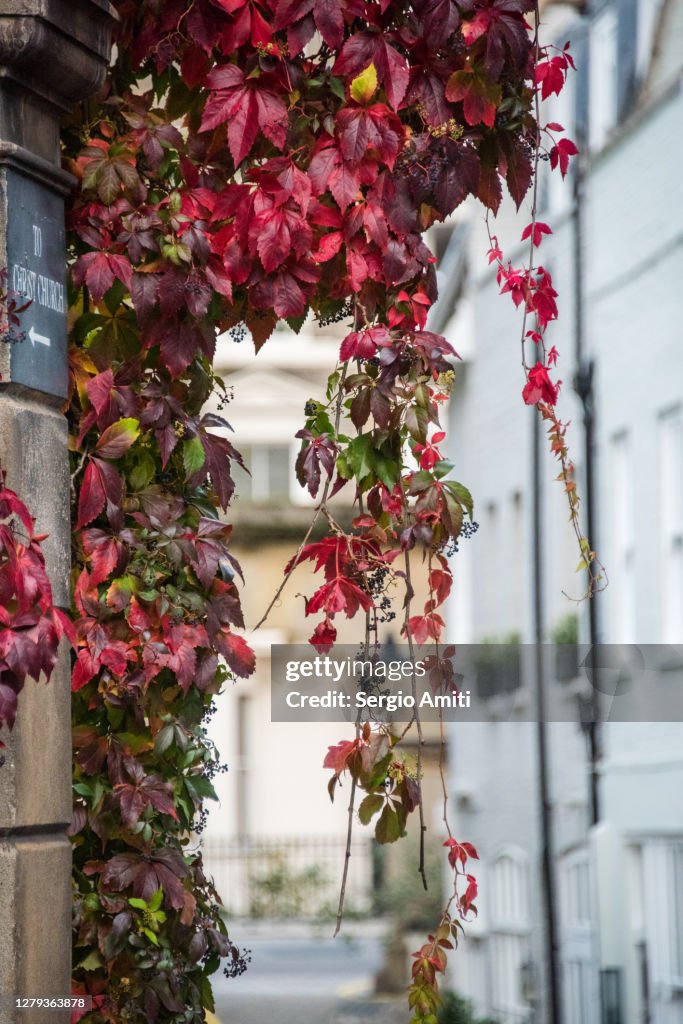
[52, 54]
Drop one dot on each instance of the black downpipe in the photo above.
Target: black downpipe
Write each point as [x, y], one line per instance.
[546, 810]
[584, 387]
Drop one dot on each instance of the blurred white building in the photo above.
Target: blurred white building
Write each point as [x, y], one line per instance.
[617, 263]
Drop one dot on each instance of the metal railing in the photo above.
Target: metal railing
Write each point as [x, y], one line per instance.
[289, 877]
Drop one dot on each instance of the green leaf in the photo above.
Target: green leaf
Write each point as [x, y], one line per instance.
[332, 382]
[151, 936]
[388, 828]
[156, 899]
[163, 739]
[142, 472]
[337, 87]
[369, 807]
[194, 456]
[442, 468]
[359, 456]
[206, 992]
[417, 422]
[387, 469]
[137, 903]
[203, 787]
[461, 495]
[420, 481]
[92, 962]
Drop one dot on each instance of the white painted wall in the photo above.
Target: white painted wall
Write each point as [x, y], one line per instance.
[634, 312]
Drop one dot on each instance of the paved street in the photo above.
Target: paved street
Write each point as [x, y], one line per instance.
[295, 977]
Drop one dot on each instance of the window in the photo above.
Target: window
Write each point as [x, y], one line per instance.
[580, 977]
[509, 943]
[576, 893]
[649, 12]
[677, 905]
[662, 885]
[272, 474]
[603, 77]
[671, 524]
[623, 538]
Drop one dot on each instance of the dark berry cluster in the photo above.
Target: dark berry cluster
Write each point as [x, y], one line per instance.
[225, 396]
[422, 171]
[201, 821]
[468, 530]
[336, 318]
[240, 961]
[238, 333]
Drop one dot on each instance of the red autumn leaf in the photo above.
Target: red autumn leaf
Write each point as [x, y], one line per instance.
[476, 27]
[363, 128]
[500, 30]
[515, 165]
[440, 583]
[560, 154]
[324, 636]
[118, 438]
[551, 73]
[425, 627]
[480, 97]
[460, 852]
[328, 247]
[104, 552]
[316, 453]
[144, 874]
[340, 594]
[365, 48]
[338, 756]
[327, 17]
[99, 270]
[538, 229]
[237, 652]
[142, 791]
[91, 498]
[246, 106]
[363, 344]
[539, 387]
[99, 390]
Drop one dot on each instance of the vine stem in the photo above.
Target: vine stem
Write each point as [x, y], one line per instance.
[347, 854]
[416, 719]
[352, 797]
[442, 735]
[557, 428]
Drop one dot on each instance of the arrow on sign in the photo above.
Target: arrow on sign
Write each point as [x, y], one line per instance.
[40, 338]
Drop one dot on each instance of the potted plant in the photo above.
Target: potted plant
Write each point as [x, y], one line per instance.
[497, 664]
[565, 637]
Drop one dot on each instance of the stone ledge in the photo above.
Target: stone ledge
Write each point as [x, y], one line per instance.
[57, 49]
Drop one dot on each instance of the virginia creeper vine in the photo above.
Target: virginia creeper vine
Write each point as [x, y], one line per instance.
[251, 161]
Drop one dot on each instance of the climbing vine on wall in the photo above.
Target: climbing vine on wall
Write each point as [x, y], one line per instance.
[251, 161]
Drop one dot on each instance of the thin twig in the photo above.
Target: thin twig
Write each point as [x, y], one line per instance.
[347, 854]
[418, 723]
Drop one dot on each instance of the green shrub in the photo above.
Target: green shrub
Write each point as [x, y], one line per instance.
[456, 1010]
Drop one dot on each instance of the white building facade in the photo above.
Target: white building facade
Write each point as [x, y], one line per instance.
[618, 884]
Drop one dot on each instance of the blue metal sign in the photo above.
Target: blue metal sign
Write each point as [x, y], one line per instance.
[36, 272]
